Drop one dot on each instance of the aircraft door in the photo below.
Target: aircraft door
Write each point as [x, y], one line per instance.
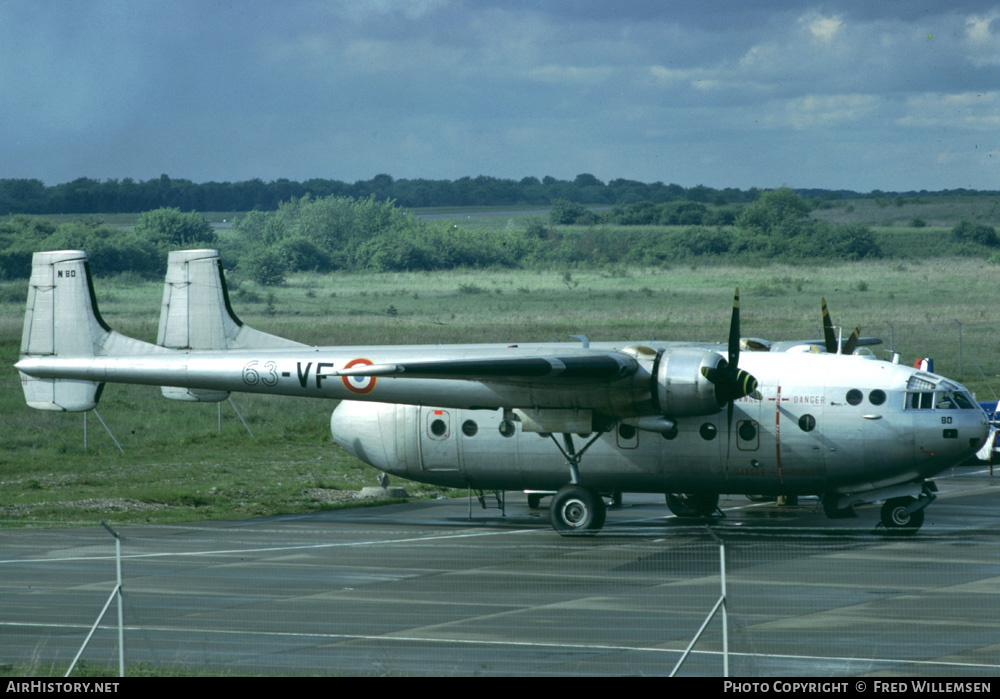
[489, 447]
[787, 455]
[438, 440]
[888, 432]
[840, 435]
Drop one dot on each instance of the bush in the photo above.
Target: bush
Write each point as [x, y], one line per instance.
[170, 228]
[981, 234]
[266, 267]
[566, 212]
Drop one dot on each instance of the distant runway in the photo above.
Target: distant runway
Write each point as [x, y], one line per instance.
[421, 589]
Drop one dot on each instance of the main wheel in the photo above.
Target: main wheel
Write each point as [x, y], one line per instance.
[896, 521]
[693, 505]
[534, 501]
[577, 510]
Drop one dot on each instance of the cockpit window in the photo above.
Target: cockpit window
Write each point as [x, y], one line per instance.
[939, 400]
[943, 401]
[921, 382]
[958, 400]
[965, 401]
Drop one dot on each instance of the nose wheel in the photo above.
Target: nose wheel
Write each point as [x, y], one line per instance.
[899, 517]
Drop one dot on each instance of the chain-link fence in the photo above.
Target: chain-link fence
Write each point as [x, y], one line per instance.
[342, 593]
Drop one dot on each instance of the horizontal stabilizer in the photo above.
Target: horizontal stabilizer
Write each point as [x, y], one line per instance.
[64, 395]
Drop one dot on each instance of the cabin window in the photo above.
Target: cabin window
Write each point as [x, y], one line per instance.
[854, 396]
[747, 435]
[469, 428]
[626, 431]
[807, 423]
[439, 428]
[507, 428]
[877, 397]
[708, 431]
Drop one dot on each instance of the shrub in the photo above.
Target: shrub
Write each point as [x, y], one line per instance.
[981, 234]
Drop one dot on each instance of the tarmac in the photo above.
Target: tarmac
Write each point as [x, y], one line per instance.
[445, 588]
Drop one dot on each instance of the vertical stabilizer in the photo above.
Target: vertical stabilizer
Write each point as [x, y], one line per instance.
[61, 320]
[196, 315]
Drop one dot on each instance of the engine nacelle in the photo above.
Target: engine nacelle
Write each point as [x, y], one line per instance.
[682, 390]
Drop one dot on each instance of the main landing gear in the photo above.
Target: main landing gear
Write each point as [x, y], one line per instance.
[576, 509]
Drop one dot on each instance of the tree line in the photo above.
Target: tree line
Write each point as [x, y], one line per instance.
[90, 196]
[323, 234]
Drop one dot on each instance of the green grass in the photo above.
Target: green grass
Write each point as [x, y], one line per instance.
[177, 466]
[938, 211]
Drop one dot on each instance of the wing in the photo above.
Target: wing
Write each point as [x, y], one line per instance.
[588, 367]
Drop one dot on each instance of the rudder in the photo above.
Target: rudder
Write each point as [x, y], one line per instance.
[61, 319]
[196, 315]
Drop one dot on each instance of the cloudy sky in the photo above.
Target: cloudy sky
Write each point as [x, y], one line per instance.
[893, 95]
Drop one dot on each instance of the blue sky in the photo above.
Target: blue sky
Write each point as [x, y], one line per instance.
[842, 94]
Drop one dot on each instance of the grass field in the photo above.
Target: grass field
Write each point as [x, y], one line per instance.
[177, 465]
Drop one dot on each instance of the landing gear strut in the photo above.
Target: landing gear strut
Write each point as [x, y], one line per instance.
[576, 509]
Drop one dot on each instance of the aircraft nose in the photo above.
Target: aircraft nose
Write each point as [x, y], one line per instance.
[361, 429]
[982, 432]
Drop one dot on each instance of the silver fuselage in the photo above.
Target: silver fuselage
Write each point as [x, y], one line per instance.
[822, 424]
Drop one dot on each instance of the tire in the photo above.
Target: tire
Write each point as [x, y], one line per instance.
[693, 505]
[897, 523]
[534, 501]
[576, 510]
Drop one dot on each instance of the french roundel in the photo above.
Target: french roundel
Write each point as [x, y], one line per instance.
[359, 384]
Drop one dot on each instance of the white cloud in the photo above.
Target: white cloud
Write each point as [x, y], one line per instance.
[824, 111]
[983, 44]
[822, 28]
[968, 111]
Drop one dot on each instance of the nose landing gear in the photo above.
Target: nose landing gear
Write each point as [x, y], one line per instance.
[899, 517]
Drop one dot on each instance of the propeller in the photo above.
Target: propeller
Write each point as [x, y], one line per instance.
[830, 337]
[731, 382]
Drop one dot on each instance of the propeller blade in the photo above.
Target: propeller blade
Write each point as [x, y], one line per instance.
[731, 383]
[734, 332]
[746, 384]
[852, 341]
[829, 336]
